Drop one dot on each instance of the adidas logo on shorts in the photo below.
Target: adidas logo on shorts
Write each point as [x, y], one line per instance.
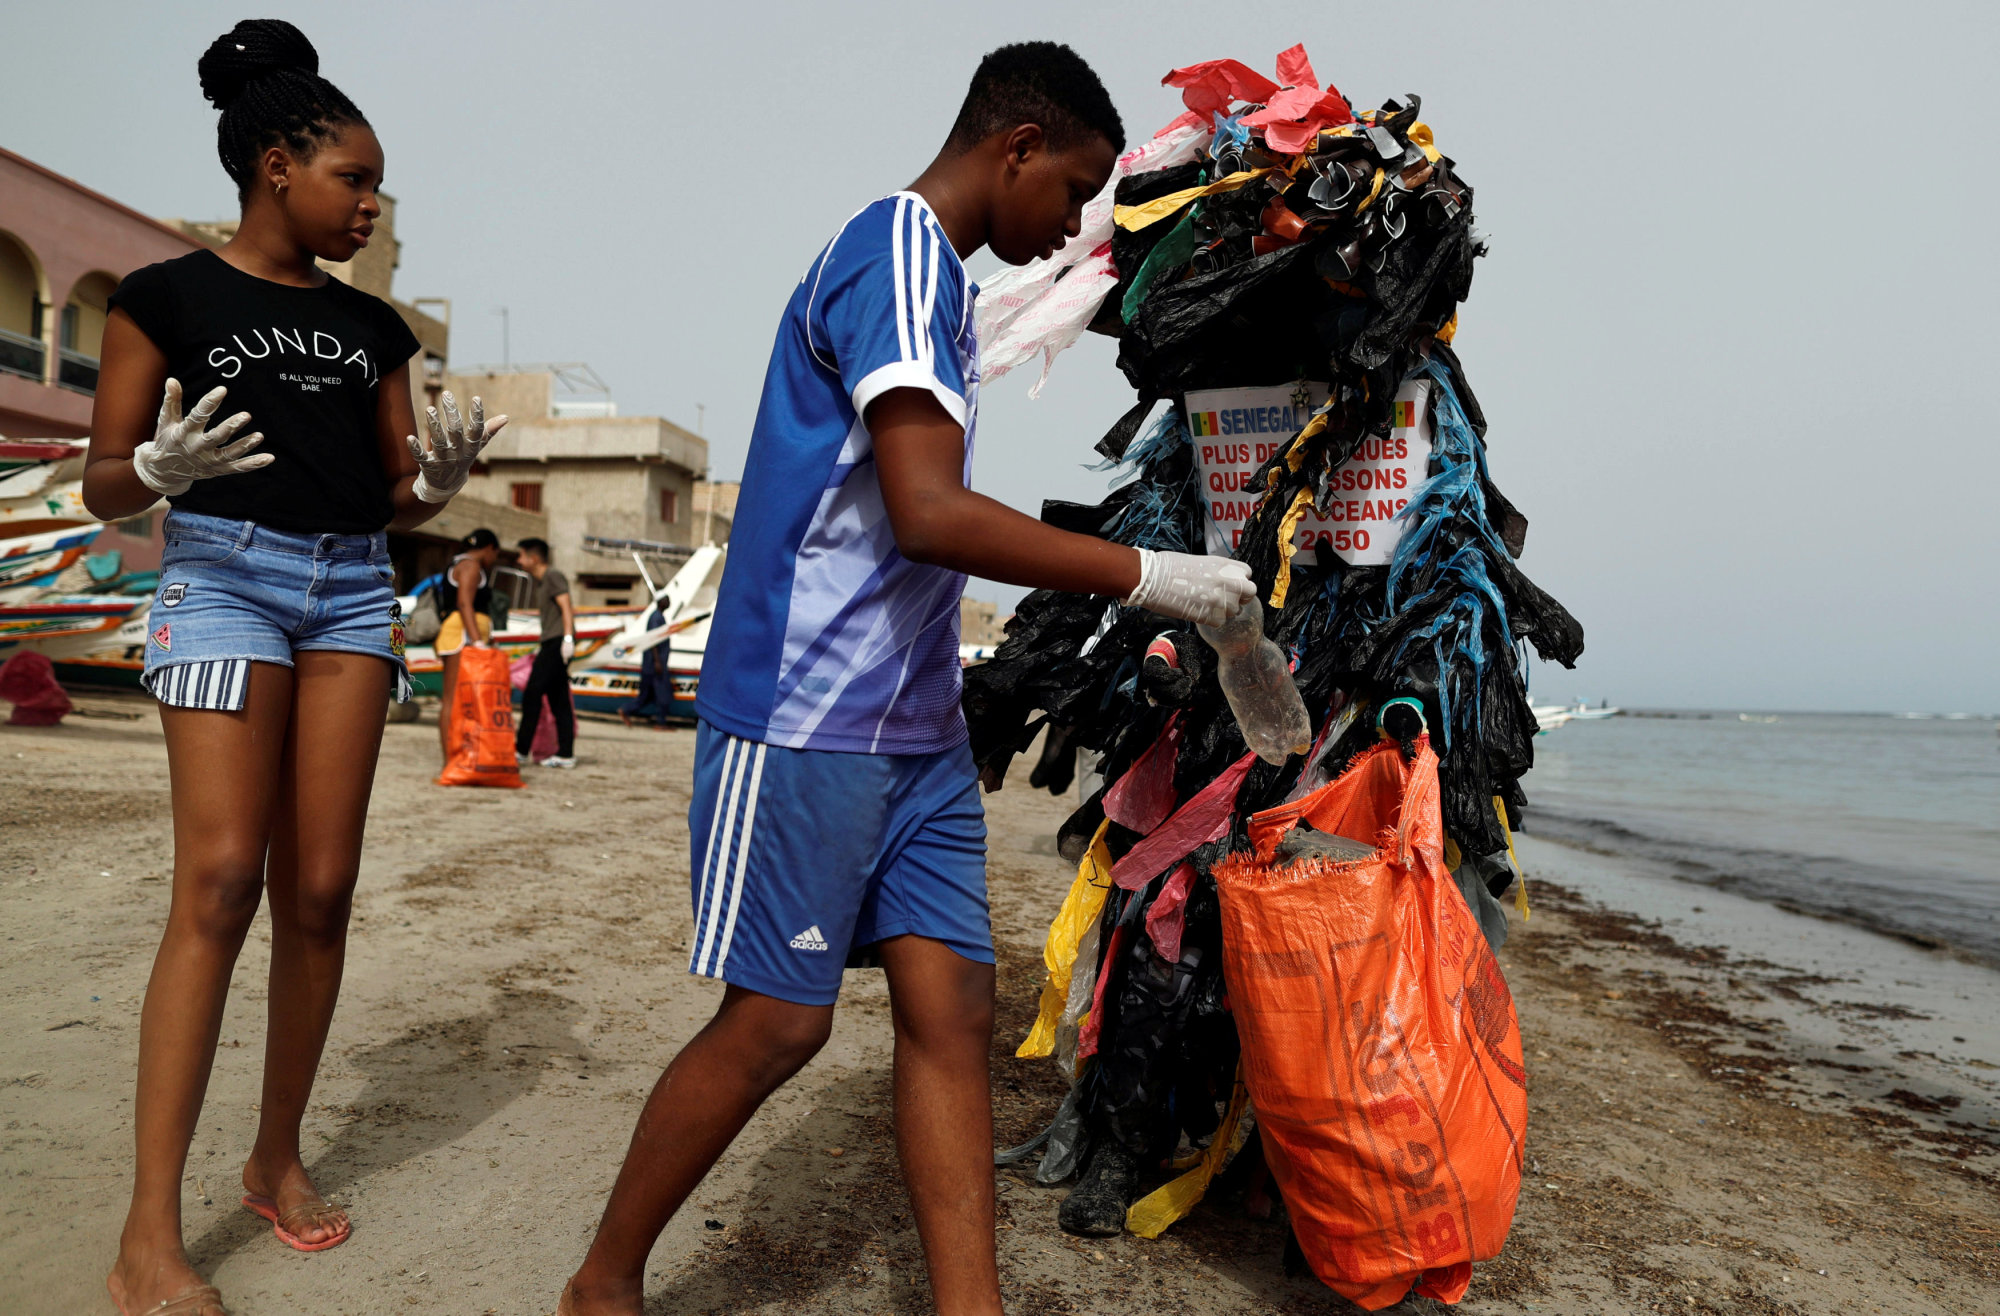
[811, 939]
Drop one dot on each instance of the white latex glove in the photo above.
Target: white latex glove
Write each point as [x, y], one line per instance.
[182, 451]
[568, 647]
[1196, 587]
[443, 465]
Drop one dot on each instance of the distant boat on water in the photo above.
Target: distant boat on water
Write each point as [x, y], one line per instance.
[1550, 716]
[1757, 717]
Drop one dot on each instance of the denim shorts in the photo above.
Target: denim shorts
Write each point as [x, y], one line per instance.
[234, 593]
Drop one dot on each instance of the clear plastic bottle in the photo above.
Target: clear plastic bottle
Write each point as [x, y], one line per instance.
[1258, 683]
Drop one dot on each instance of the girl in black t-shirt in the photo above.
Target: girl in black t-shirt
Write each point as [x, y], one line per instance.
[275, 638]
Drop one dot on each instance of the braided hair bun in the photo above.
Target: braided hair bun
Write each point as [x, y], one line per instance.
[253, 49]
[264, 76]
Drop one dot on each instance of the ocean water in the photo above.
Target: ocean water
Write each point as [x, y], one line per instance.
[1892, 823]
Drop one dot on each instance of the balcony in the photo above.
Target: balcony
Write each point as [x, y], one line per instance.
[21, 355]
[76, 371]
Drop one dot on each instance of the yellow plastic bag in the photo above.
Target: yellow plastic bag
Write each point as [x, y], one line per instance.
[1080, 909]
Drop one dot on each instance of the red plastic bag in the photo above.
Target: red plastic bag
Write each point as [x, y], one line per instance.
[1379, 1039]
[481, 734]
[28, 682]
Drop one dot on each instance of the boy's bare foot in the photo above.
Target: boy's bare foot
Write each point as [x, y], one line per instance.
[146, 1281]
[288, 1184]
[582, 1298]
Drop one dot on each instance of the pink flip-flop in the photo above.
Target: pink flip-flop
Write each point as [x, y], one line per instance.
[300, 1216]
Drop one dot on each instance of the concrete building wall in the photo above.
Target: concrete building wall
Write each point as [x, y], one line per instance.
[609, 477]
[607, 499]
[522, 396]
[592, 438]
[418, 553]
[715, 509]
[979, 622]
[468, 512]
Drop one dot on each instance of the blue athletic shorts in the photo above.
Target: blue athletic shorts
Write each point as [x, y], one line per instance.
[803, 858]
[235, 592]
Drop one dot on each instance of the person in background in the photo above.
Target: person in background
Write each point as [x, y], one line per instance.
[466, 593]
[548, 680]
[275, 638]
[655, 702]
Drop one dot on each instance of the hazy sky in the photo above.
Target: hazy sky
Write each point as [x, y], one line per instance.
[1729, 337]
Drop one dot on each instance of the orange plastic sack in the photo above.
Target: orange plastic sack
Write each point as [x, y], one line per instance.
[481, 734]
[1379, 1039]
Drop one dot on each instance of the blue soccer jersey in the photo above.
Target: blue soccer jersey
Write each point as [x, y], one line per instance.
[825, 637]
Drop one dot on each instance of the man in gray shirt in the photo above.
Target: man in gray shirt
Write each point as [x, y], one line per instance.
[549, 678]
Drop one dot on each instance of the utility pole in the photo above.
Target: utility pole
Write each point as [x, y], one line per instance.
[506, 346]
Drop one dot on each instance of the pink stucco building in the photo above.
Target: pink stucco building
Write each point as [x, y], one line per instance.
[63, 248]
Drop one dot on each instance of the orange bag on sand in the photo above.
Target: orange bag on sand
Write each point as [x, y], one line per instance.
[481, 734]
[1379, 1039]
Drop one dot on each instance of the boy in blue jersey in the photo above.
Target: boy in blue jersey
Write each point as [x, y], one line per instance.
[836, 809]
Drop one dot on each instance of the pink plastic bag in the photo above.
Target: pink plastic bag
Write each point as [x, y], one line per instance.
[545, 730]
[28, 681]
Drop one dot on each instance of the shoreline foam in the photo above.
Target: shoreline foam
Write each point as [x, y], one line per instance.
[1861, 894]
[1845, 996]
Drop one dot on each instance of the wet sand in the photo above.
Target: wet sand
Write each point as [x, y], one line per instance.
[1712, 1130]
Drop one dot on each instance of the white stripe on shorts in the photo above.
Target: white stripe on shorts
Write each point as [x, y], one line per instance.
[743, 849]
[708, 856]
[217, 684]
[722, 876]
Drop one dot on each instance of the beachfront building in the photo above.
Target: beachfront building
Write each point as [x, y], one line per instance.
[607, 484]
[980, 623]
[715, 509]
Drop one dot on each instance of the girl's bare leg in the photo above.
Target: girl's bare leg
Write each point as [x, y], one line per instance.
[327, 772]
[224, 771]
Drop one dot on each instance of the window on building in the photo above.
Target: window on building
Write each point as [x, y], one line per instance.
[610, 591]
[527, 497]
[670, 506]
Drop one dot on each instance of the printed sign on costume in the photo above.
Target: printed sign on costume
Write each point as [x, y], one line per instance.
[1237, 430]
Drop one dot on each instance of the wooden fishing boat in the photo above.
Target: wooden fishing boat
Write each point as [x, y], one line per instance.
[29, 564]
[608, 680]
[65, 626]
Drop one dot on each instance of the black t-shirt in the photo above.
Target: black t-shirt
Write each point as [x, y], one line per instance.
[304, 362]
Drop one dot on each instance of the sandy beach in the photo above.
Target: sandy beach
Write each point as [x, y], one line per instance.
[1719, 1124]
